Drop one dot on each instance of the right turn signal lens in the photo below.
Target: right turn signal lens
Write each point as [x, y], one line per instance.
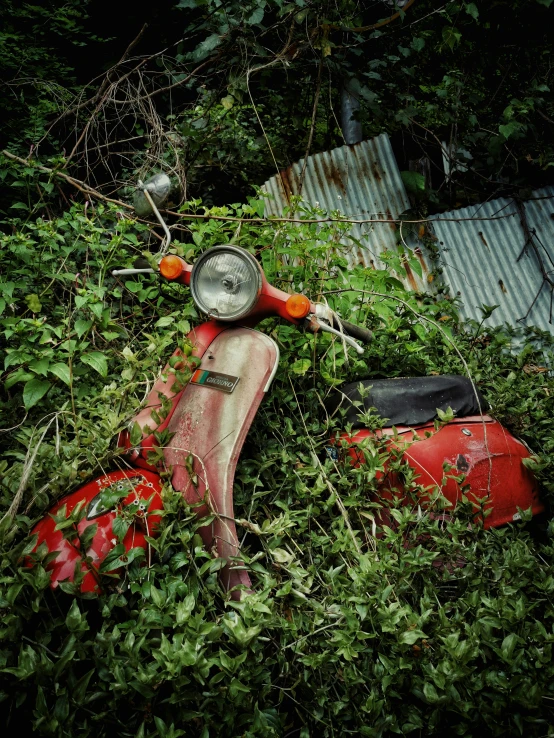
[298, 306]
[171, 267]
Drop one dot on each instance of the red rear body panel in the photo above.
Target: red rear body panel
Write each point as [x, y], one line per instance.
[481, 449]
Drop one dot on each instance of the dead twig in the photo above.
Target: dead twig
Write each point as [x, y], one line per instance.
[374, 26]
[27, 469]
[545, 117]
[98, 94]
[92, 192]
[531, 239]
[82, 186]
[188, 77]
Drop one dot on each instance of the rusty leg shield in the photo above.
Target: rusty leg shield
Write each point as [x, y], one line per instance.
[210, 425]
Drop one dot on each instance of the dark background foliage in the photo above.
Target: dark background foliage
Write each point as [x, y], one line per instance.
[236, 88]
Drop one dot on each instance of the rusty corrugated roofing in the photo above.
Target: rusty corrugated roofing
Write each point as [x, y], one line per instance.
[498, 261]
[490, 260]
[362, 181]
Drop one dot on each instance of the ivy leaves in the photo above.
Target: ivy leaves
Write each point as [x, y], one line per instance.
[332, 601]
[34, 390]
[97, 361]
[62, 372]
[57, 349]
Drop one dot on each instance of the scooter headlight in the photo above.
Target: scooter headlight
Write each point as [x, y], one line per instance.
[225, 282]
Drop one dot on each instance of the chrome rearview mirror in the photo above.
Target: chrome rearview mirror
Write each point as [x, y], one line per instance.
[147, 197]
[151, 194]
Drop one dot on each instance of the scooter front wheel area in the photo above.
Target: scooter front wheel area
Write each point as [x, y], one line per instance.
[136, 490]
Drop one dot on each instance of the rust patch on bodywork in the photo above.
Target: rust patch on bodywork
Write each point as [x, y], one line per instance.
[462, 464]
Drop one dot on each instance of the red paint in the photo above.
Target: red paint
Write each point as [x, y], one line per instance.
[63, 567]
[211, 427]
[204, 420]
[490, 459]
[272, 301]
[200, 338]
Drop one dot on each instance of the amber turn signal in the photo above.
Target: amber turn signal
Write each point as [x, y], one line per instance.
[171, 267]
[298, 306]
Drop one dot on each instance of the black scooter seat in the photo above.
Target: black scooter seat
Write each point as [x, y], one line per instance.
[409, 400]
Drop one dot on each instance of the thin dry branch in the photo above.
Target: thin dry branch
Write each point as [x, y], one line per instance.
[91, 192]
[274, 219]
[27, 469]
[194, 73]
[106, 80]
[117, 109]
[312, 125]
[374, 26]
[82, 186]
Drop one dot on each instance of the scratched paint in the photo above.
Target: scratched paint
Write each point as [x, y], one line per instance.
[211, 427]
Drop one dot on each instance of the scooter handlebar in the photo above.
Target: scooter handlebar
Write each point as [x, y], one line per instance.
[356, 331]
[314, 325]
[324, 316]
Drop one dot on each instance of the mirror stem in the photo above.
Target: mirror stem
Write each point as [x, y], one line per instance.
[165, 246]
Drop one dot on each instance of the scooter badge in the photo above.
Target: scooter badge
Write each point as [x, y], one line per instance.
[215, 380]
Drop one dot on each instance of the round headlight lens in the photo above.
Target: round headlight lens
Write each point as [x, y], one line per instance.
[225, 282]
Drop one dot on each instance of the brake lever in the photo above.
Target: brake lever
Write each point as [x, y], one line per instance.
[350, 341]
[118, 272]
[314, 324]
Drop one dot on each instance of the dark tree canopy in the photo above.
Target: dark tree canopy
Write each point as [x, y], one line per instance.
[223, 95]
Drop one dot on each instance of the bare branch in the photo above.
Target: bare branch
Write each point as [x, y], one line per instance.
[82, 186]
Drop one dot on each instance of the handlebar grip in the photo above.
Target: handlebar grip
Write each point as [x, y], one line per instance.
[355, 331]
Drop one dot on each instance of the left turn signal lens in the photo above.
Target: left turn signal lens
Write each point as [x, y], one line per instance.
[171, 267]
[298, 306]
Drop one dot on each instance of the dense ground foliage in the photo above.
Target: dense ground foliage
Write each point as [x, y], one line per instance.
[347, 633]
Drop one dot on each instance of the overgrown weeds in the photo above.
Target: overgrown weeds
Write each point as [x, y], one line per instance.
[347, 633]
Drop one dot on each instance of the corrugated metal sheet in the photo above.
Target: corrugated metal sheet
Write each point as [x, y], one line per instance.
[492, 262]
[484, 260]
[363, 182]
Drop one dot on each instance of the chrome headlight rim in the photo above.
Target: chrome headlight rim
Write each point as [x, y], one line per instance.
[256, 273]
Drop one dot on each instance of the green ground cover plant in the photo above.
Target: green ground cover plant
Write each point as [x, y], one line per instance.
[347, 633]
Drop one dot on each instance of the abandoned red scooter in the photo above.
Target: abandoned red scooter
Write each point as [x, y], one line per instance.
[208, 418]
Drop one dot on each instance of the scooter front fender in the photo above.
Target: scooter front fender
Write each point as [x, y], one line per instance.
[209, 426]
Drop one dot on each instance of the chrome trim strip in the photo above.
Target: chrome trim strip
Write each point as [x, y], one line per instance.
[117, 272]
[275, 367]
